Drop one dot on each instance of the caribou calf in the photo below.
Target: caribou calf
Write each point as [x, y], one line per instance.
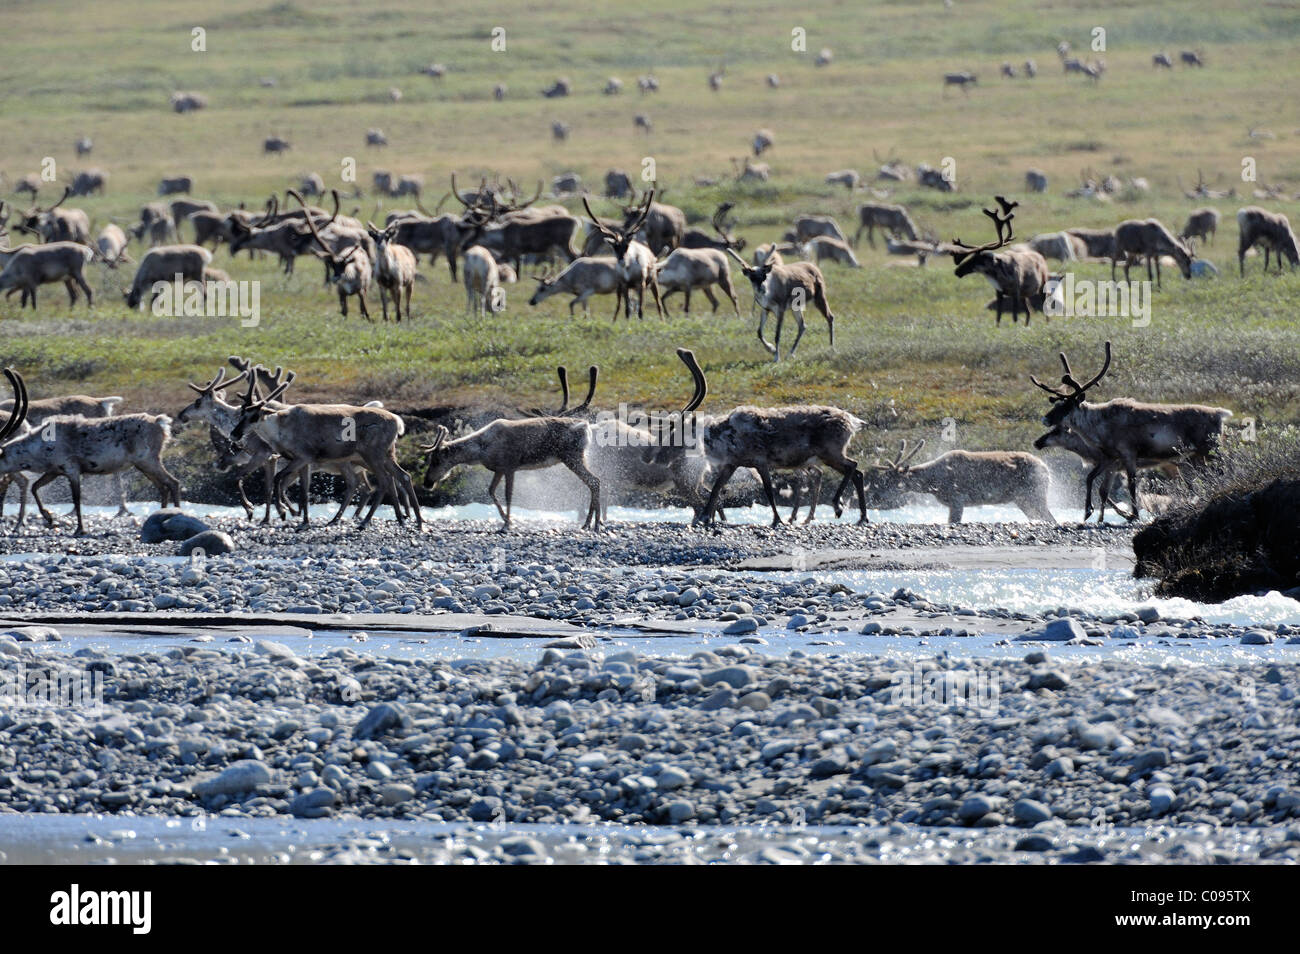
[1201, 224]
[483, 292]
[778, 287]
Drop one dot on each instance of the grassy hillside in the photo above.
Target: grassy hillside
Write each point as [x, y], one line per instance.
[915, 346]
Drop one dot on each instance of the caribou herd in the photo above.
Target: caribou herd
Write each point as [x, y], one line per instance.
[695, 454]
[646, 247]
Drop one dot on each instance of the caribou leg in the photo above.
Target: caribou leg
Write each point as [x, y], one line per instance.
[762, 318]
[766, 478]
[798, 316]
[776, 336]
[122, 509]
[510, 495]
[711, 506]
[849, 468]
[35, 488]
[592, 482]
[492, 492]
[815, 496]
[74, 482]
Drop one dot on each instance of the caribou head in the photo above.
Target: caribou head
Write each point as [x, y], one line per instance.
[257, 408]
[1066, 399]
[886, 485]
[207, 395]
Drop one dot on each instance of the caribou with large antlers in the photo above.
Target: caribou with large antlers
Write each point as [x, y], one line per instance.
[311, 435]
[54, 224]
[350, 272]
[1019, 275]
[664, 226]
[636, 263]
[1130, 434]
[507, 446]
[254, 453]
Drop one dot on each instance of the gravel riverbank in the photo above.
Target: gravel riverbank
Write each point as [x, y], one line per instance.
[725, 736]
[805, 754]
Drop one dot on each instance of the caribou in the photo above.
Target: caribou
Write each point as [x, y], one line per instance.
[780, 438]
[1130, 434]
[483, 291]
[505, 447]
[1270, 229]
[394, 269]
[1201, 224]
[350, 271]
[891, 219]
[687, 269]
[311, 435]
[961, 479]
[161, 265]
[30, 266]
[54, 224]
[778, 287]
[582, 278]
[1136, 239]
[1018, 275]
[636, 263]
[71, 446]
[38, 412]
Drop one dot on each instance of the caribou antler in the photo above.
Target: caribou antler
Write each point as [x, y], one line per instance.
[19, 412]
[592, 373]
[311, 224]
[219, 382]
[1077, 390]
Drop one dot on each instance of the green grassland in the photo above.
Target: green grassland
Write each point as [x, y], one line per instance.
[914, 346]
